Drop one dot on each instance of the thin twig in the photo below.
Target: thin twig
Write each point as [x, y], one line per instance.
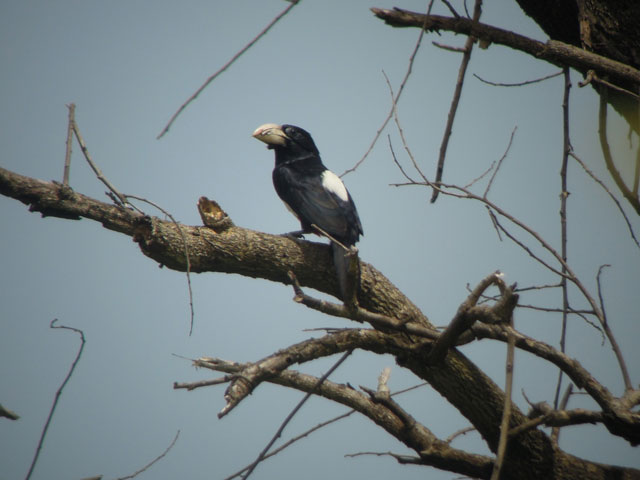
[600, 297]
[555, 432]
[69, 143]
[459, 433]
[359, 314]
[58, 393]
[277, 435]
[449, 48]
[394, 102]
[570, 275]
[308, 432]
[519, 84]
[159, 457]
[506, 412]
[402, 459]
[482, 175]
[537, 287]
[395, 160]
[121, 198]
[468, 47]
[564, 195]
[186, 251]
[522, 245]
[504, 155]
[291, 441]
[611, 195]
[10, 414]
[451, 9]
[293, 3]
[602, 131]
[401, 132]
[592, 77]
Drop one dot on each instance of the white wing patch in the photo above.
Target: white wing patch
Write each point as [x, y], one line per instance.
[332, 183]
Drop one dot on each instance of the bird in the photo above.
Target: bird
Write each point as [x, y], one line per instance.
[313, 193]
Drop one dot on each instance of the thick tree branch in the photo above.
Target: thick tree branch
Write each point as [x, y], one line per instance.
[469, 312]
[553, 51]
[259, 255]
[402, 426]
[617, 415]
[235, 250]
[432, 451]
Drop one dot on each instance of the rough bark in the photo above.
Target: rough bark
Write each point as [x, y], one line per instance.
[259, 255]
[608, 28]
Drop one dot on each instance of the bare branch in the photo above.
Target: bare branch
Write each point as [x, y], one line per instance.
[376, 320]
[448, 47]
[295, 410]
[293, 3]
[6, 413]
[451, 9]
[570, 275]
[158, 458]
[518, 84]
[69, 143]
[560, 418]
[459, 433]
[252, 374]
[186, 252]
[564, 195]
[58, 392]
[504, 155]
[593, 77]
[402, 459]
[394, 102]
[553, 51]
[469, 312]
[506, 412]
[121, 198]
[401, 132]
[308, 432]
[468, 47]
[618, 419]
[293, 440]
[236, 250]
[555, 434]
[613, 198]
[432, 451]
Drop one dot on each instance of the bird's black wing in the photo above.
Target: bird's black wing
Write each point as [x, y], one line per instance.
[310, 200]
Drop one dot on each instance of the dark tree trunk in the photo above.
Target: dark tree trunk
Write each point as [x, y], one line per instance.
[610, 28]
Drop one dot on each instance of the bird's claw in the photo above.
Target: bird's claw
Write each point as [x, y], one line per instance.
[298, 234]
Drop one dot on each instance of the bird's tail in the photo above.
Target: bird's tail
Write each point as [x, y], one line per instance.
[347, 268]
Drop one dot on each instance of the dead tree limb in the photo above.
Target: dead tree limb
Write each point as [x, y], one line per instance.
[552, 51]
[272, 257]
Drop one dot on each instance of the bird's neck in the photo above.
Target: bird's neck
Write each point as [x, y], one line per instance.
[309, 159]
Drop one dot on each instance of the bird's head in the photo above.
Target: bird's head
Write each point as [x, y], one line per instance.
[288, 139]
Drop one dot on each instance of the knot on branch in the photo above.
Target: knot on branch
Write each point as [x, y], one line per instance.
[469, 312]
[213, 216]
[50, 205]
[143, 231]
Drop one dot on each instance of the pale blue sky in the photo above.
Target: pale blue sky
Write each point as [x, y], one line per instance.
[128, 66]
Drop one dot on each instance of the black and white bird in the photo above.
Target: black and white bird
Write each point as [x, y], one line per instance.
[313, 193]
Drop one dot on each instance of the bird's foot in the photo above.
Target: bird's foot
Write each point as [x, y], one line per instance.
[295, 235]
